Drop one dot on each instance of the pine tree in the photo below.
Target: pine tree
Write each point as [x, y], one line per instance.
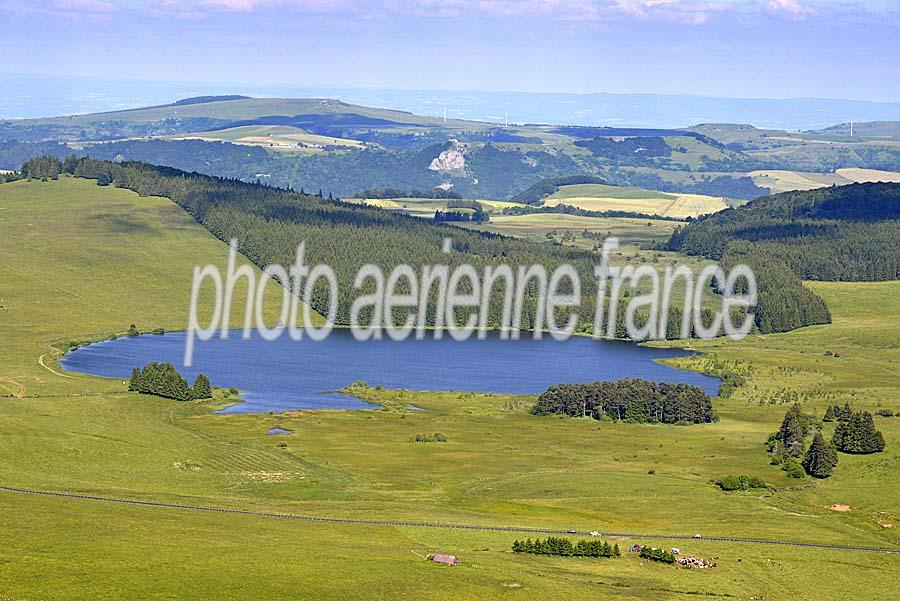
[202, 388]
[792, 431]
[857, 435]
[829, 414]
[821, 458]
[135, 384]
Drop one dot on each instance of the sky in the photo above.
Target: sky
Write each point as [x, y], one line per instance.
[731, 48]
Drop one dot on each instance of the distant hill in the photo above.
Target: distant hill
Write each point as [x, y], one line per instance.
[866, 129]
[342, 148]
[203, 99]
[842, 233]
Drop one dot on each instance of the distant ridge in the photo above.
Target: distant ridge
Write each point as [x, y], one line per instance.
[205, 99]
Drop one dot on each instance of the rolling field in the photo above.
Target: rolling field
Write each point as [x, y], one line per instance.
[543, 226]
[787, 181]
[274, 137]
[80, 261]
[112, 257]
[599, 197]
[868, 175]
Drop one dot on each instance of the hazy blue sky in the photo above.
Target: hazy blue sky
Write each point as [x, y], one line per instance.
[739, 48]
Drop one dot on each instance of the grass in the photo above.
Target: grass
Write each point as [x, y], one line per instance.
[82, 262]
[499, 466]
[868, 175]
[600, 197]
[786, 181]
[537, 226]
[273, 137]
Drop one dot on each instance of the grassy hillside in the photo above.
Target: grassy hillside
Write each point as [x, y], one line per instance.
[82, 262]
[282, 138]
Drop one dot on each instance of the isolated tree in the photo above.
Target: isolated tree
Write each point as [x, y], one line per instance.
[821, 458]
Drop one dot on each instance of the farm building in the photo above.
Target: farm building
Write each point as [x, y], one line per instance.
[450, 560]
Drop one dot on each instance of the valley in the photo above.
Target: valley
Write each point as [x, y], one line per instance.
[499, 466]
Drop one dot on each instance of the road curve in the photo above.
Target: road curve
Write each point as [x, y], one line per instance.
[517, 529]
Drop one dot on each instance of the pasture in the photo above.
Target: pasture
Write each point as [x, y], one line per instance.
[281, 138]
[868, 175]
[599, 197]
[571, 229]
[82, 261]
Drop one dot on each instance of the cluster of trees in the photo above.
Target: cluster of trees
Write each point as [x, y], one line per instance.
[43, 168]
[162, 379]
[462, 210]
[631, 400]
[654, 554]
[856, 434]
[836, 413]
[562, 546]
[787, 445]
[742, 482]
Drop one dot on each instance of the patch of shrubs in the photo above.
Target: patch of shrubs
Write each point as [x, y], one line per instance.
[564, 547]
[660, 555]
[741, 482]
[885, 413]
[162, 379]
[436, 437]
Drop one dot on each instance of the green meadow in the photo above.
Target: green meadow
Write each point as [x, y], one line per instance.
[82, 262]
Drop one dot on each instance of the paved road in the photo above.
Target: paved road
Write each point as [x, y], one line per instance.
[518, 529]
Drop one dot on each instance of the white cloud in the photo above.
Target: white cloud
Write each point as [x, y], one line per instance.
[791, 8]
[687, 11]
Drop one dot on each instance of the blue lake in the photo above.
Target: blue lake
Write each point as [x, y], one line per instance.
[285, 375]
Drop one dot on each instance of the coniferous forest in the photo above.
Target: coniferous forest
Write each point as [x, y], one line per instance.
[631, 400]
